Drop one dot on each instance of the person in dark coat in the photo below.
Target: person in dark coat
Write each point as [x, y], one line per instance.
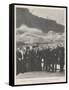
[38, 60]
[42, 59]
[53, 60]
[32, 59]
[35, 59]
[47, 59]
[23, 61]
[56, 59]
[27, 60]
[61, 53]
[18, 61]
[33, 56]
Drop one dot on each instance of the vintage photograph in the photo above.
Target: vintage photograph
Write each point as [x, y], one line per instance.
[40, 44]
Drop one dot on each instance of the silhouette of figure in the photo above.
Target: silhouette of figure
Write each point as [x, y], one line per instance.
[27, 60]
[18, 61]
[61, 53]
[47, 59]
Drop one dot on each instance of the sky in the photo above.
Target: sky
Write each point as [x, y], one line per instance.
[57, 14]
[50, 13]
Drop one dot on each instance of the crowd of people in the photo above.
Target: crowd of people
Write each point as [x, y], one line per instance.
[34, 59]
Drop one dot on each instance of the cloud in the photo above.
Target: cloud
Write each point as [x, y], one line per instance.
[33, 35]
[23, 28]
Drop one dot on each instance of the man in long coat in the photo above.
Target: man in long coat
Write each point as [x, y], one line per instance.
[18, 61]
[53, 60]
[61, 59]
[27, 60]
[47, 59]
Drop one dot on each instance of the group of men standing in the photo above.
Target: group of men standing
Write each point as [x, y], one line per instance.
[39, 60]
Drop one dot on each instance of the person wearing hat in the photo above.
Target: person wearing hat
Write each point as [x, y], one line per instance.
[27, 59]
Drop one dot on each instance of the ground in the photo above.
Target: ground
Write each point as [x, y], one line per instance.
[40, 77]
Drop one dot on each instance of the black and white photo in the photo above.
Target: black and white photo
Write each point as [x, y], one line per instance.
[39, 44]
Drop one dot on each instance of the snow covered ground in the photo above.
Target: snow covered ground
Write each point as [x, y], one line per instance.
[40, 77]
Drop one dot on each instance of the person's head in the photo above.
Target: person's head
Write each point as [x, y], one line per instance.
[20, 48]
[27, 49]
[33, 47]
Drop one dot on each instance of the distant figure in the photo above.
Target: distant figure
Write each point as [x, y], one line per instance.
[23, 63]
[38, 60]
[32, 59]
[61, 53]
[47, 59]
[18, 61]
[42, 59]
[54, 60]
[27, 60]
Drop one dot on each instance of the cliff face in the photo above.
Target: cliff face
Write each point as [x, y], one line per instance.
[23, 16]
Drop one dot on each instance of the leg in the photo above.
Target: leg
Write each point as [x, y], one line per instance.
[52, 67]
[55, 65]
[61, 67]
